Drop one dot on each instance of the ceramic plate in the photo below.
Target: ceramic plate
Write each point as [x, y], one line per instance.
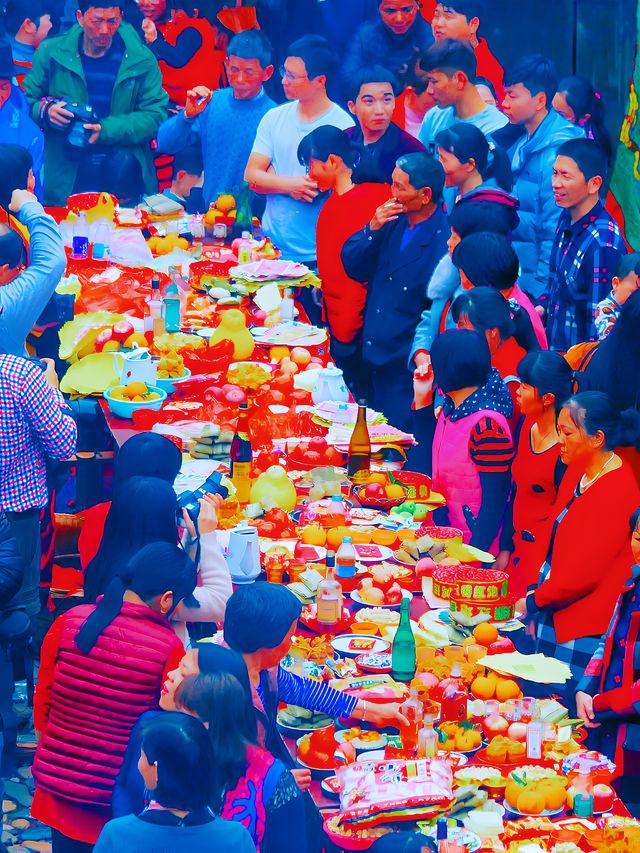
[343, 645]
[331, 786]
[546, 813]
[355, 596]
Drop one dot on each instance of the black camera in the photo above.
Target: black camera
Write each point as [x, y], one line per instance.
[77, 135]
[191, 500]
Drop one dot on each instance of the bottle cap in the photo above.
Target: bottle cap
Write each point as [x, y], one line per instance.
[242, 406]
[336, 498]
[346, 540]
[362, 402]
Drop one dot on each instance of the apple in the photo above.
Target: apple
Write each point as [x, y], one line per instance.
[288, 366]
[122, 329]
[103, 337]
[517, 731]
[421, 512]
[603, 797]
[300, 356]
[374, 490]
[503, 645]
[394, 594]
[316, 360]
[318, 443]
[259, 316]
[425, 567]
[234, 396]
[494, 724]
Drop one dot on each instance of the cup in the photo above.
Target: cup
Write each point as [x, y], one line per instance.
[491, 706]
[475, 652]
[454, 654]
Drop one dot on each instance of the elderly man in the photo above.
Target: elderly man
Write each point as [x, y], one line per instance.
[101, 64]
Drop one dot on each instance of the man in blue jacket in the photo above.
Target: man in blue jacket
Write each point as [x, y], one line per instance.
[530, 85]
[396, 254]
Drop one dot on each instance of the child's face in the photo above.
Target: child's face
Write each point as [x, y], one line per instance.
[624, 287]
[186, 182]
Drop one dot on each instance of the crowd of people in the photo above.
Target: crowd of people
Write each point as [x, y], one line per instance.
[476, 291]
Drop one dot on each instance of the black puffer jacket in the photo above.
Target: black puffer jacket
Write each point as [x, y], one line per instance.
[11, 565]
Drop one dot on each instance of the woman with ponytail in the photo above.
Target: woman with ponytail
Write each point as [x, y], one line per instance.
[103, 665]
[505, 325]
[578, 102]
[545, 382]
[583, 555]
[471, 162]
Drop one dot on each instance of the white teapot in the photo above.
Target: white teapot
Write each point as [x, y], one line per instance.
[136, 366]
[330, 385]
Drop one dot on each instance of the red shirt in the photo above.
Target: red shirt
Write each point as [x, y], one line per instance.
[489, 67]
[534, 478]
[341, 216]
[92, 530]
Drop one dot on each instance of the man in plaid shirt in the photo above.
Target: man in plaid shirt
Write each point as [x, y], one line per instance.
[587, 248]
[35, 423]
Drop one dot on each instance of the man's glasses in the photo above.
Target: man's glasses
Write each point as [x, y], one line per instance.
[287, 75]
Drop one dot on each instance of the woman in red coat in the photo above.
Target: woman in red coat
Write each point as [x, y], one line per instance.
[546, 381]
[585, 550]
[102, 665]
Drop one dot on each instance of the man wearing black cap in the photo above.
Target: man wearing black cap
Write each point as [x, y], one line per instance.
[16, 126]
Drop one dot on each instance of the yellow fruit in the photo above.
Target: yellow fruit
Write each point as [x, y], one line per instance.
[225, 202]
[313, 534]
[162, 374]
[554, 792]
[512, 791]
[278, 353]
[394, 490]
[485, 634]
[467, 740]
[117, 393]
[531, 802]
[507, 689]
[136, 338]
[152, 395]
[135, 389]
[182, 243]
[111, 346]
[137, 399]
[483, 688]
[384, 537]
[377, 477]
[335, 536]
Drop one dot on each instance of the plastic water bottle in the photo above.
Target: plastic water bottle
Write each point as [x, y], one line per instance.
[346, 559]
[171, 308]
[287, 305]
[244, 248]
[102, 241]
[80, 241]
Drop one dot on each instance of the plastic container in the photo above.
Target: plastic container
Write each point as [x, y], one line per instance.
[80, 240]
[346, 559]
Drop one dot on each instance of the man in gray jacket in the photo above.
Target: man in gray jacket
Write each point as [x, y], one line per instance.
[26, 289]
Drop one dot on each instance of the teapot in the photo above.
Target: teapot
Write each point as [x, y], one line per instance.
[135, 366]
[330, 385]
[243, 554]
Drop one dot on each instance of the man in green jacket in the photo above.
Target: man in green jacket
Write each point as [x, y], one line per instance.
[102, 63]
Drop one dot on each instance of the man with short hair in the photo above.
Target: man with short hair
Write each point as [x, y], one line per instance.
[26, 290]
[587, 247]
[99, 63]
[293, 201]
[27, 25]
[16, 126]
[530, 85]
[187, 175]
[460, 19]
[392, 39]
[396, 254]
[372, 101]
[450, 69]
[224, 122]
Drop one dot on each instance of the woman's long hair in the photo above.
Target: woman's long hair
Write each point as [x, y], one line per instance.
[144, 510]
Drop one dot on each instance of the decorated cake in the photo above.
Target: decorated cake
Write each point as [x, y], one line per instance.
[472, 591]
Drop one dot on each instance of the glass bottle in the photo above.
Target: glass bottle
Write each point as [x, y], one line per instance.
[427, 740]
[244, 220]
[241, 455]
[413, 710]
[329, 600]
[154, 306]
[403, 650]
[454, 697]
[359, 460]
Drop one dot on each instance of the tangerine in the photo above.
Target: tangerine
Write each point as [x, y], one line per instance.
[394, 490]
[485, 634]
[313, 534]
[507, 689]
[135, 389]
[335, 536]
[530, 801]
[483, 687]
[225, 202]
[555, 795]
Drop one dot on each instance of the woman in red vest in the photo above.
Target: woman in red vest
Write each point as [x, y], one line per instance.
[103, 665]
[189, 49]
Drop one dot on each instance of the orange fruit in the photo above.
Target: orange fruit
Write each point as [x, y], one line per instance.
[111, 346]
[531, 802]
[225, 202]
[361, 535]
[313, 534]
[394, 490]
[555, 795]
[135, 389]
[483, 688]
[485, 634]
[117, 393]
[278, 353]
[507, 689]
[384, 537]
[135, 338]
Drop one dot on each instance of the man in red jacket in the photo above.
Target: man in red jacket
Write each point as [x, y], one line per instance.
[460, 19]
[330, 158]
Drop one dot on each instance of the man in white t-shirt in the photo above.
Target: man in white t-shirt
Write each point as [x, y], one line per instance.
[293, 199]
[450, 68]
